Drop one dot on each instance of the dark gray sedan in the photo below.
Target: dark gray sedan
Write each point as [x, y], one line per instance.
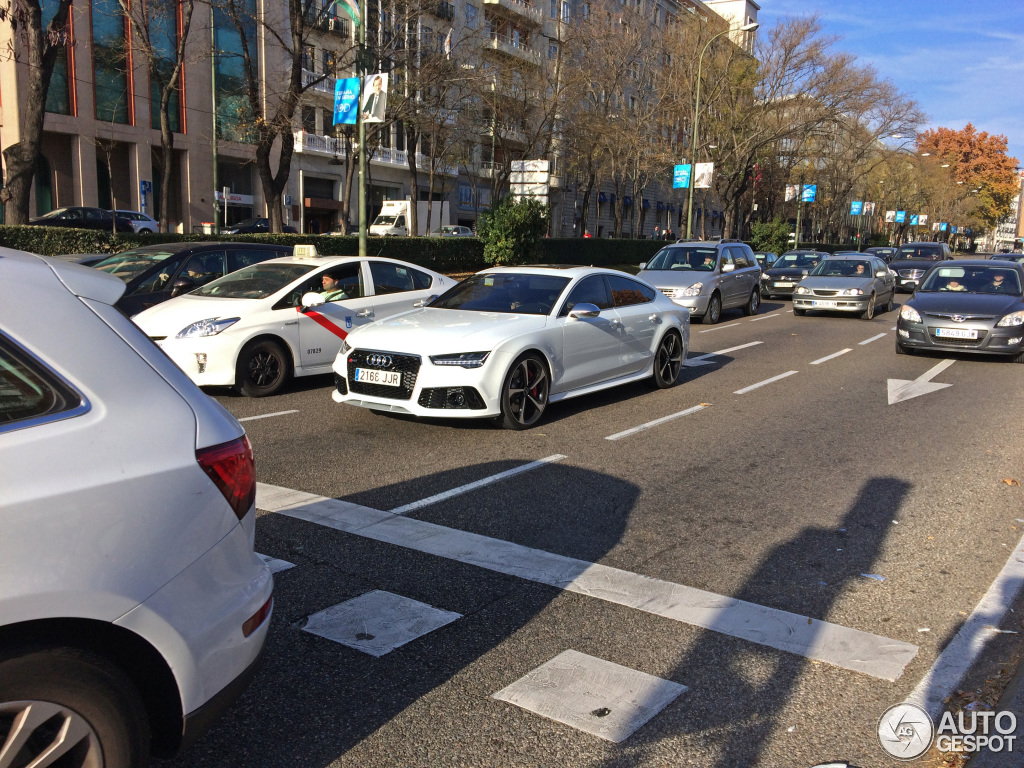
[857, 284]
[966, 306]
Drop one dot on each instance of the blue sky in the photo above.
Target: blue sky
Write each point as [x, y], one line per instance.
[961, 60]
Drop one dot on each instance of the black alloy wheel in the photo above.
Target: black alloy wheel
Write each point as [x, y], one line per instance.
[263, 368]
[668, 361]
[524, 395]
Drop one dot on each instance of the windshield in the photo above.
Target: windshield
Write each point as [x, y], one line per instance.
[255, 282]
[920, 252]
[797, 261]
[690, 257]
[130, 264]
[246, 223]
[507, 293]
[843, 268]
[972, 280]
[53, 214]
[384, 221]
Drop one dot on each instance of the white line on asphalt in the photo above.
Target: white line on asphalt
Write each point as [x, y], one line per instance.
[893, 328]
[947, 671]
[703, 359]
[737, 349]
[656, 422]
[764, 317]
[834, 355]
[873, 338]
[474, 485]
[721, 328]
[844, 647]
[762, 383]
[267, 415]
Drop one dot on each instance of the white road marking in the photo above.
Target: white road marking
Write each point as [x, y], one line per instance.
[844, 647]
[377, 622]
[833, 356]
[902, 389]
[703, 359]
[656, 422]
[721, 327]
[595, 696]
[764, 317]
[267, 415]
[957, 657]
[893, 328]
[474, 485]
[274, 564]
[873, 338]
[760, 384]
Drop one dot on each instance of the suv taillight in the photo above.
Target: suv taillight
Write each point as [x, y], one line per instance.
[233, 471]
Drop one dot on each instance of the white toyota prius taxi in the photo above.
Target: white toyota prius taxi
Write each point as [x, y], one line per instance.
[256, 328]
[508, 341]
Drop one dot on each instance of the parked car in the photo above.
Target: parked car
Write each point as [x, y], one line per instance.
[857, 283]
[972, 305]
[706, 277]
[82, 218]
[133, 608]
[452, 231]
[508, 341]
[885, 252]
[142, 223]
[85, 259]
[253, 226]
[913, 260]
[765, 258]
[791, 267]
[156, 273]
[256, 328]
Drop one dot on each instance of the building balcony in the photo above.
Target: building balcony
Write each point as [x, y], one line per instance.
[517, 9]
[556, 30]
[445, 10]
[329, 146]
[514, 48]
[325, 86]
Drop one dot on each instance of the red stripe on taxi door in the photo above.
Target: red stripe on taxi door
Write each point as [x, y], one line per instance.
[323, 322]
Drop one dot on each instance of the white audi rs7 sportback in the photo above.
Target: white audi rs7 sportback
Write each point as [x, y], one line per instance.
[510, 340]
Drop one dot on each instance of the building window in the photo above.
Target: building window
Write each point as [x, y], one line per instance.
[58, 97]
[234, 110]
[552, 51]
[163, 33]
[309, 119]
[329, 62]
[554, 9]
[471, 15]
[566, 11]
[110, 62]
[309, 58]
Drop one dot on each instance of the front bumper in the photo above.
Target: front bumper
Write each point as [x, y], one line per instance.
[831, 304]
[220, 353]
[991, 340]
[436, 392]
[779, 287]
[697, 305]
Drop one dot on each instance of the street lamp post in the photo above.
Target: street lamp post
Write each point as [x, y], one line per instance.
[696, 119]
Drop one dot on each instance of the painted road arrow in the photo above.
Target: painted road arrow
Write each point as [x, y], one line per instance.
[693, 362]
[901, 389]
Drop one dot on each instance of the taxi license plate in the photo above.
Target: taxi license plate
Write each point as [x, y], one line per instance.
[824, 303]
[956, 333]
[784, 285]
[375, 376]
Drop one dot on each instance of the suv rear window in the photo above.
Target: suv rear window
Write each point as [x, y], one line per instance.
[933, 252]
[28, 390]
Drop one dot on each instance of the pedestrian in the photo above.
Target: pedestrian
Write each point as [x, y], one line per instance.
[657, 233]
[586, 234]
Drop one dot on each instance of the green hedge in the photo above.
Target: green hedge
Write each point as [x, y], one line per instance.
[598, 252]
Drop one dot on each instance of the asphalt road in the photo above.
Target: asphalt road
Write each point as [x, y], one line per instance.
[780, 496]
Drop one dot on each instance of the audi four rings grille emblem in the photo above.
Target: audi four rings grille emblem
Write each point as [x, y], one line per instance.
[958, 318]
[384, 361]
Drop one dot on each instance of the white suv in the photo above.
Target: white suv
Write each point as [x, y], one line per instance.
[133, 608]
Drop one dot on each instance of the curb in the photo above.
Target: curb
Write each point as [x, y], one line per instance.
[1012, 700]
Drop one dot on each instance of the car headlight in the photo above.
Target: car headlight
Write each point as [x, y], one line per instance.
[805, 273]
[463, 359]
[853, 292]
[693, 290]
[1014, 318]
[801, 289]
[907, 312]
[209, 327]
[345, 348]
[766, 277]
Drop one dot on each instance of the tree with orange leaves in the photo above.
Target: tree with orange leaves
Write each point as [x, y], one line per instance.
[977, 161]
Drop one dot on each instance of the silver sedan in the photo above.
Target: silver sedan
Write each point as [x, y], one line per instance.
[848, 284]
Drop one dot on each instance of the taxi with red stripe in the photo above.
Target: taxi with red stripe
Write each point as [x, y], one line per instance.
[256, 328]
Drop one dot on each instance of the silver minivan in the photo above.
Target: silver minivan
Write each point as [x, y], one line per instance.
[707, 277]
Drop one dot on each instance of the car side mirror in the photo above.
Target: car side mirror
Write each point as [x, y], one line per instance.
[182, 285]
[583, 310]
[424, 302]
[643, 266]
[312, 299]
[882, 273]
[728, 267]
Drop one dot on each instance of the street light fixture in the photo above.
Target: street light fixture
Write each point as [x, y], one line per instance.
[696, 120]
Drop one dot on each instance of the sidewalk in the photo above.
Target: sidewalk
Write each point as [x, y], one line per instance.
[1012, 700]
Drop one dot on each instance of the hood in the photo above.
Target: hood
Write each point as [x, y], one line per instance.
[777, 272]
[836, 282]
[994, 304]
[443, 331]
[924, 264]
[171, 316]
[675, 278]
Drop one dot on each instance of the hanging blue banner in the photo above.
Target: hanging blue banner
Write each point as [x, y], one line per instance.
[913, 219]
[681, 177]
[901, 217]
[810, 192]
[346, 100]
[942, 226]
[855, 207]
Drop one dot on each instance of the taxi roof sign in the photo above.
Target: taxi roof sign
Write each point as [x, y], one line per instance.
[305, 252]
